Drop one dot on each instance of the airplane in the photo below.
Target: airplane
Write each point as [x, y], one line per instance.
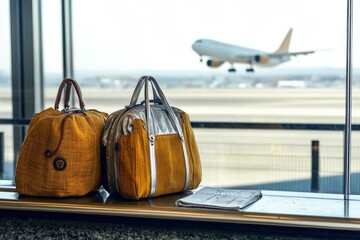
[219, 52]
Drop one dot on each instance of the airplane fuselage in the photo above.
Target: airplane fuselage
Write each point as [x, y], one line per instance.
[220, 52]
[235, 54]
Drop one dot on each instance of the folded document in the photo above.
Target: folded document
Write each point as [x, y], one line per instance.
[219, 198]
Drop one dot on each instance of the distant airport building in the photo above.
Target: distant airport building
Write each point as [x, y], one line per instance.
[291, 84]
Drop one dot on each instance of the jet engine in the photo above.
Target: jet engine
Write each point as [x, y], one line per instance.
[214, 63]
[269, 60]
[261, 59]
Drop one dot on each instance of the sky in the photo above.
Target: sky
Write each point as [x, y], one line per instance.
[111, 35]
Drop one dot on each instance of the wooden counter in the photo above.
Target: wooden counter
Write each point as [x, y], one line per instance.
[275, 208]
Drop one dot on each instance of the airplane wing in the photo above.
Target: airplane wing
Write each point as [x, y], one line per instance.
[279, 54]
[268, 59]
[248, 57]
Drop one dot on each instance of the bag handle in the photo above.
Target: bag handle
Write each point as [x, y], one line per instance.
[139, 86]
[158, 97]
[68, 82]
[168, 108]
[151, 128]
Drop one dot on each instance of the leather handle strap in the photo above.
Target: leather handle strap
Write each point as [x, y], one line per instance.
[68, 82]
[158, 96]
[170, 111]
[67, 95]
[151, 131]
[177, 126]
[139, 86]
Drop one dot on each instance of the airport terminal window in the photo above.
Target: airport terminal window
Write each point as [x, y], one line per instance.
[129, 39]
[307, 89]
[6, 147]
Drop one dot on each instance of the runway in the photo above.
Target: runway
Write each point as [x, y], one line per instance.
[233, 158]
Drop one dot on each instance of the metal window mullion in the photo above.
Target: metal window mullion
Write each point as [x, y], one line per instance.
[26, 55]
[347, 131]
[68, 70]
[16, 73]
[67, 38]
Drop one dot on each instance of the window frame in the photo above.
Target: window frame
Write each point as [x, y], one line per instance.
[27, 79]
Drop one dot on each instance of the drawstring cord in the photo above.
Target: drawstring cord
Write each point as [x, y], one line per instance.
[49, 153]
[68, 112]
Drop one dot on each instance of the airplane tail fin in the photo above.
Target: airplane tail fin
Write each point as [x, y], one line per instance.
[284, 47]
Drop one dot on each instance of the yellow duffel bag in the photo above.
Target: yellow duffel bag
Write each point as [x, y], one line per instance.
[61, 153]
[150, 147]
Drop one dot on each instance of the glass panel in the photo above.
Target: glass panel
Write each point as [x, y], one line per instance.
[6, 139]
[116, 42]
[355, 146]
[52, 49]
[255, 159]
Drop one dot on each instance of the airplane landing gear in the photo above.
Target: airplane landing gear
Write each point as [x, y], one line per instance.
[250, 68]
[231, 70]
[201, 58]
